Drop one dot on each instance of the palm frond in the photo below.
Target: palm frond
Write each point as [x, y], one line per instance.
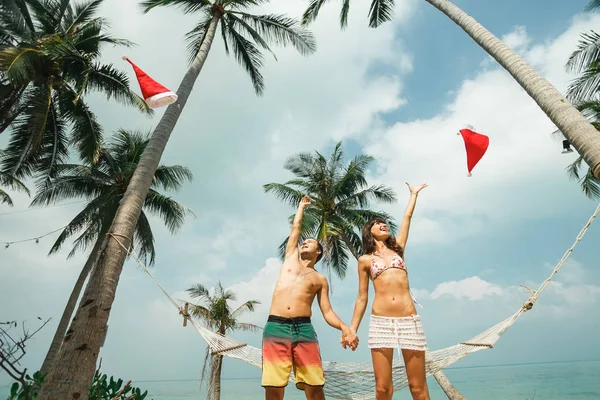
[588, 51]
[171, 177]
[244, 28]
[344, 13]
[201, 313]
[86, 133]
[82, 13]
[115, 84]
[199, 291]
[284, 193]
[145, 240]
[380, 11]
[248, 306]
[312, 12]
[187, 6]
[195, 37]
[592, 5]
[247, 55]
[80, 183]
[28, 132]
[5, 198]
[281, 30]
[172, 213]
[586, 85]
[246, 327]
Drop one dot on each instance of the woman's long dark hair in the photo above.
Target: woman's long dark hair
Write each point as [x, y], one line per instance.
[368, 242]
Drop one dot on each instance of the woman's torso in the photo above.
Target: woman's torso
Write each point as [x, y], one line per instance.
[392, 290]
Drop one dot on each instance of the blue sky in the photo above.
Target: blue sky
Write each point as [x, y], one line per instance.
[398, 93]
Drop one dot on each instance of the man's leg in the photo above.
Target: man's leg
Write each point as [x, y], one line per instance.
[276, 359]
[274, 393]
[314, 392]
[308, 366]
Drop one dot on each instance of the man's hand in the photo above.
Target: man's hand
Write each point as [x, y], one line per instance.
[304, 203]
[415, 189]
[349, 338]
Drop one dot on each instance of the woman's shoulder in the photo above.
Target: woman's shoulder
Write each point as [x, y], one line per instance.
[365, 259]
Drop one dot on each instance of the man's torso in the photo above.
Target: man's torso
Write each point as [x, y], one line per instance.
[295, 290]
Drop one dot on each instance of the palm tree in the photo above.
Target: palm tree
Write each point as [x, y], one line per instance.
[49, 60]
[589, 184]
[583, 92]
[75, 369]
[340, 201]
[10, 182]
[104, 185]
[593, 5]
[568, 120]
[216, 314]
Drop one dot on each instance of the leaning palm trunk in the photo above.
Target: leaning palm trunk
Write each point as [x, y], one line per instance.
[578, 130]
[447, 387]
[74, 369]
[59, 335]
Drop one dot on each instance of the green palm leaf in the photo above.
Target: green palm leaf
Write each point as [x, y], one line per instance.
[49, 52]
[103, 183]
[380, 11]
[340, 202]
[249, 57]
[593, 5]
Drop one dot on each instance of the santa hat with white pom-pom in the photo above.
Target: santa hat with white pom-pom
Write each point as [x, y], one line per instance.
[155, 94]
[476, 145]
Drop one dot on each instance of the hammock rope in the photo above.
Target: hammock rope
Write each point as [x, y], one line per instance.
[355, 380]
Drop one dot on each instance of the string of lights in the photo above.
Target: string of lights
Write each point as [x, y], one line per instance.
[35, 238]
[38, 209]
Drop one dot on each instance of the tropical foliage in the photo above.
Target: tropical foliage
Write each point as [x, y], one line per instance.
[379, 12]
[49, 61]
[8, 181]
[246, 35]
[103, 185]
[215, 312]
[584, 92]
[340, 202]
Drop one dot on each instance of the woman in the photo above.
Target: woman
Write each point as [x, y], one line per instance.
[394, 320]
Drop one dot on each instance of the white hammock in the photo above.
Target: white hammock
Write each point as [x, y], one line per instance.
[355, 380]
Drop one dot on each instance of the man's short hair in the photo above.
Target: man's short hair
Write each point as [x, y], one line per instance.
[320, 247]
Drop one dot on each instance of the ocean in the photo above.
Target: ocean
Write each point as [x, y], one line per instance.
[547, 381]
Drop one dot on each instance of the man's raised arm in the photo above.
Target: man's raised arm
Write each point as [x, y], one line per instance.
[292, 243]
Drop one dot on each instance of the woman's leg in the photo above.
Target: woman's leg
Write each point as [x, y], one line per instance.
[382, 367]
[414, 361]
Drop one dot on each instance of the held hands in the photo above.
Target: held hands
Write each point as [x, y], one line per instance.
[349, 338]
[304, 203]
[415, 189]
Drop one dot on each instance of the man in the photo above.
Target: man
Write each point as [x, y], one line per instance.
[289, 340]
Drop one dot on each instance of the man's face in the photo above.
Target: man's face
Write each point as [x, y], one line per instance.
[309, 248]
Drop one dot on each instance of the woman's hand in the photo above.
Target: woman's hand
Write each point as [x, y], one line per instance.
[415, 189]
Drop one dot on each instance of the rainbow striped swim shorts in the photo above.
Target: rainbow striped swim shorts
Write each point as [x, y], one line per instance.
[291, 344]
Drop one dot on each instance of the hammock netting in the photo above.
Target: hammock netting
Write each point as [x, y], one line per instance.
[355, 380]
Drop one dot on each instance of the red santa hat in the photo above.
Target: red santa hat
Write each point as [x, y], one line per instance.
[155, 94]
[476, 145]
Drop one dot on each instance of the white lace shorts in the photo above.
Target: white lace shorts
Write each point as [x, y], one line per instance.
[397, 333]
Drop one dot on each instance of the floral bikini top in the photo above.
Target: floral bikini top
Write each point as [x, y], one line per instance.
[377, 269]
[397, 262]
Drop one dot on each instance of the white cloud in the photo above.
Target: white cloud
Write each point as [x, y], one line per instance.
[517, 38]
[472, 288]
[521, 166]
[259, 287]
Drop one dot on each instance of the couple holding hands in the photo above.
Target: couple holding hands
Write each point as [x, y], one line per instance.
[289, 340]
